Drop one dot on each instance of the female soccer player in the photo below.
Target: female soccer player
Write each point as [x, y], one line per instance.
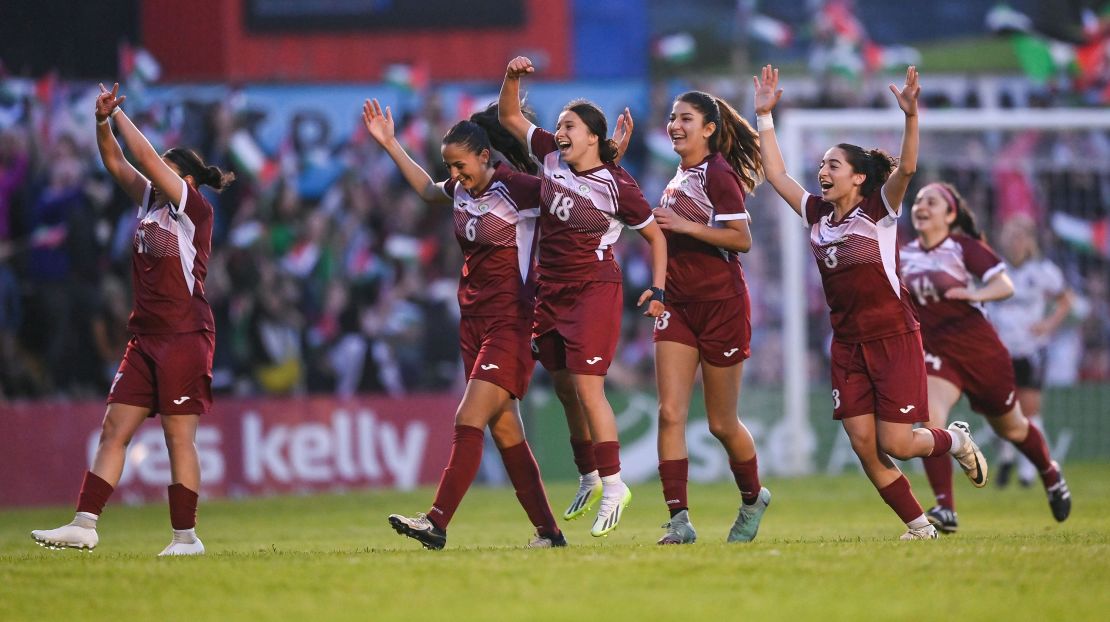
[878, 369]
[707, 320]
[1026, 323]
[962, 352]
[167, 368]
[495, 210]
[586, 198]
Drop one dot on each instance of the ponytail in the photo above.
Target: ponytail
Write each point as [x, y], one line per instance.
[503, 142]
[189, 163]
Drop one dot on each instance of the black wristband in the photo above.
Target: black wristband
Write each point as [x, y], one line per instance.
[658, 293]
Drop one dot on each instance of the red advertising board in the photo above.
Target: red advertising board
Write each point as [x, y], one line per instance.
[247, 447]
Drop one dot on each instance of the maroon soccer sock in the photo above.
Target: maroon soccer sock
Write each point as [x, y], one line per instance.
[183, 507]
[899, 497]
[608, 456]
[462, 467]
[94, 494]
[746, 475]
[939, 471]
[583, 455]
[942, 441]
[524, 473]
[674, 475]
[1035, 448]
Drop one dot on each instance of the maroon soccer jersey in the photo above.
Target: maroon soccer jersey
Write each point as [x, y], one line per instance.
[709, 194]
[497, 233]
[169, 261]
[858, 257]
[930, 272]
[581, 214]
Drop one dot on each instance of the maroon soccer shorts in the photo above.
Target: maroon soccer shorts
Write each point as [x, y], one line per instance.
[577, 326]
[720, 329]
[496, 350]
[170, 374]
[885, 377]
[979, 366]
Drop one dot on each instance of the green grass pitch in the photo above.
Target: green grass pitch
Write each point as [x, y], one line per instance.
[828, 550]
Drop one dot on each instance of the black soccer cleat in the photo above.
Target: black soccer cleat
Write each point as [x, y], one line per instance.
[943, 519]
[421, 529]
[1059, 499]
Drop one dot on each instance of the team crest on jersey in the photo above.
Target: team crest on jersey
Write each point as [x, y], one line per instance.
[584, 190]
[483, 208]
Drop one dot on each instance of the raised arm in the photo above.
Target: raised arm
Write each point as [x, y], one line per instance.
[381, 128]
[131, 180]
[161, 176]
[767, 94]
[508, 104]
[895, 187]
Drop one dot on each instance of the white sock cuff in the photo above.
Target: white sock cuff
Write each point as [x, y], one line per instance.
[957, 441]
[88, 515]
[918, 522]
[608, 480]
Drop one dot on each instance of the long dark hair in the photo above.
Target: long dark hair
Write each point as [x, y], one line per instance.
[189, 163]
[965, 220]
[595, 121]
[876, 164]
[504, 142]
[733, 137]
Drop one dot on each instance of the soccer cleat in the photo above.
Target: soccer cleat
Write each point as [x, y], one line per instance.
[589, 493]
[747, 521]
[1005, 472]
[612, 507]
[928, 532]
[547, 542]
[1059, 498]
[421, 529]
[69, 536]
[184, 542]
[944, 519]
[679, 530]
[969, 457]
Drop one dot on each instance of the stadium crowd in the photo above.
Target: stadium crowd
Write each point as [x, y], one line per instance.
[344, 282]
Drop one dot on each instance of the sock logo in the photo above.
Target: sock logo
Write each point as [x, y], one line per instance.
[593, 361]
[490, 366]
[906, 409]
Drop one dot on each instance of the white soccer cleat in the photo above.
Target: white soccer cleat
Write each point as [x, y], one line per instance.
[185, 542]
[969, 457]
[613, 501]
[69, 536]
[928, 532]
[589, 492]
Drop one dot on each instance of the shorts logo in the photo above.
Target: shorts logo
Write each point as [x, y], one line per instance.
[907, 409]
[1010, 398]
[181, 400]
[593, 361]
[490, 366]
[932, 360]
[732, 351]
[119, 374]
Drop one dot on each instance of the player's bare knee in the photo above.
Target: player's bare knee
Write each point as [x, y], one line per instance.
[671, 415]
[724, 429]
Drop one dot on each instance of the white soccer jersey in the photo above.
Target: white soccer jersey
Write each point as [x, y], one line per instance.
[1036, 282]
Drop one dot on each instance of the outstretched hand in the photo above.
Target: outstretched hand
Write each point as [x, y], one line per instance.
[767, 91]
[654, 308]
[907, 97]
[622, 133]
[107, 101]
[518, 67]
[378, 124]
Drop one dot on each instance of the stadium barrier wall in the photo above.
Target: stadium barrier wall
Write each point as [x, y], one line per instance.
[247, 447]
